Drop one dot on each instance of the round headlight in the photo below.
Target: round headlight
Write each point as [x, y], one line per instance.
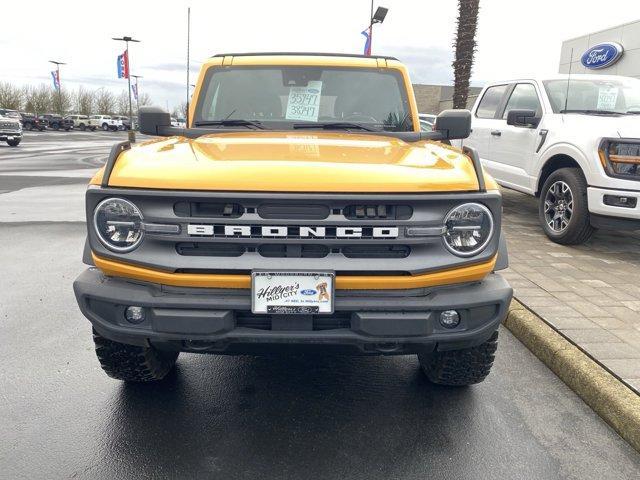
[468, 229]
[118, 223]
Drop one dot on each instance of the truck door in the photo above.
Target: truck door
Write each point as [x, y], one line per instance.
[513, 148]
[484, 122]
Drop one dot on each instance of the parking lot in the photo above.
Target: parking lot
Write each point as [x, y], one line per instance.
[275, 417]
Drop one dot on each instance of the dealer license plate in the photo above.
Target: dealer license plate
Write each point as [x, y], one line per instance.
[292, 292]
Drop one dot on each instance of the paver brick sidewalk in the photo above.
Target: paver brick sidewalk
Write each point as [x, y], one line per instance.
[590, 293]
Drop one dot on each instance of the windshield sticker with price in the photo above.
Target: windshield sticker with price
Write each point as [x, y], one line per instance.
[304, 102]
[607, 98]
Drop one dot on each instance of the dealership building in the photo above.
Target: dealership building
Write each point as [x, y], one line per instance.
[614, 51]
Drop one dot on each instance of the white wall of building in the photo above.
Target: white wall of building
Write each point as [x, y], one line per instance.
[627, 35]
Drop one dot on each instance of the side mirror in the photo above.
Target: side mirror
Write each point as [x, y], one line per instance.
[523, 118]
[152, 119]
[453, 124]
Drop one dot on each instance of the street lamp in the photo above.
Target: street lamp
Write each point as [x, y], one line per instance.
[132, 133]
[377, 17]
[57, 64]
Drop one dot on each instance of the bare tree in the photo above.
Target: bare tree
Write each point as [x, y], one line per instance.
[37, 99]
[105, 101]
[10, 96]
[122, 104]
[465, 45]
[83, 101]
[144, 99]
[60, 101]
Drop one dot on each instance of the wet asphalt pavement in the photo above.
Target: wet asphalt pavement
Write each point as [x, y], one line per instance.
[245, 417]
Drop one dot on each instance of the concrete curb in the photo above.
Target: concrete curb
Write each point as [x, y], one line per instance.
[616, 404]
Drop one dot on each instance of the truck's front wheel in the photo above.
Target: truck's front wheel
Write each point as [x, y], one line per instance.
[131, 363]
[563, 207]
[460, 367]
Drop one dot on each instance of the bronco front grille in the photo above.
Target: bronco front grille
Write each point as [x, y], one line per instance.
[350, 234]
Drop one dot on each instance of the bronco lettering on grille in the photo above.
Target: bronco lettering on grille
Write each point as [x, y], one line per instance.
[275, 231]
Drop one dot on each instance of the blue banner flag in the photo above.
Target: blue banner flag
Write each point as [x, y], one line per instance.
[367, 43]
[56, 79]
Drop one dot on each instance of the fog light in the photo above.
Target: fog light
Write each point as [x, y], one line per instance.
[618, 201]
[134, 314]
[449, 319]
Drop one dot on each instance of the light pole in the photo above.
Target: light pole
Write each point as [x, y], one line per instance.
[132, 133]
[377, 17]
[57, 64]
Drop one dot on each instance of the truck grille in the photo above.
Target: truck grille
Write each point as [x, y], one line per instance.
[363, 234]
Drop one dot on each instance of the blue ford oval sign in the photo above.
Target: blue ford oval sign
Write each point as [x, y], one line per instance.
[309, 291]
[602, 55]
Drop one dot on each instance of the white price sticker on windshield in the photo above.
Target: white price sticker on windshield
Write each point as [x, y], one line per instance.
[607, 98]
[304, 102]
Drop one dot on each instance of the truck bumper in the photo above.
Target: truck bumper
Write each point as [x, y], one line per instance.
[612, 216]
[4, 136]
[364, 322]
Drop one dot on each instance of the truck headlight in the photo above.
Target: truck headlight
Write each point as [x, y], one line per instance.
[621, 158]
[468, 229]
[118, 224]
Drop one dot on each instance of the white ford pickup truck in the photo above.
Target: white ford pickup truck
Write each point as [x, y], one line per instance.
[572, 142]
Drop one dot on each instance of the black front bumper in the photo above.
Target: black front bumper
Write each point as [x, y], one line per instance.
[220, 320]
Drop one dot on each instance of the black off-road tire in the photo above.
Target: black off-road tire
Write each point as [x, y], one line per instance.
[131, 363]
[13, 143]
[579, 229]
[28, 126]
[460, 367]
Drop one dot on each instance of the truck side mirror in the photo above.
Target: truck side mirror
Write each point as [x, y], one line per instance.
[152, 119]
[453, 124]
[523, 118]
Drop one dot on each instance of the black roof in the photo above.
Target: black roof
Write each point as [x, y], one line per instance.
[314, 54]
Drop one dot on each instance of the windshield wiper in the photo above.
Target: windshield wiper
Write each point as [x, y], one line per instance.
[336, 126]
[633, 112]
[236, 122]
[592, 112]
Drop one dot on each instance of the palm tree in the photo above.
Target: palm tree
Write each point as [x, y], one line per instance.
[465, 48]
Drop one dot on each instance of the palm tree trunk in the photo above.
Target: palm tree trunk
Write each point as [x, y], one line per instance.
[465, 48]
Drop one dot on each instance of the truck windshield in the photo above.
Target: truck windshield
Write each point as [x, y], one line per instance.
[595, 96]
[299, 97]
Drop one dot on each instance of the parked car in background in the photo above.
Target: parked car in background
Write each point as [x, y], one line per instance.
[104, 122]
[178, 122]
[572, 142]
[80, 122]
[56, 122]
[33, 122]
[426, 122]
[10, 129]
[125, 123]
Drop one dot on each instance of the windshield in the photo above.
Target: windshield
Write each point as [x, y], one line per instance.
[620, 95]
[286, 97]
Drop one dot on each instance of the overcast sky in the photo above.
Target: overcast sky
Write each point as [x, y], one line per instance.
[515, 37]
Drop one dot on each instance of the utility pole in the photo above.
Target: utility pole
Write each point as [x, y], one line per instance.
[132, 133]
[57, 64]
[188, 39]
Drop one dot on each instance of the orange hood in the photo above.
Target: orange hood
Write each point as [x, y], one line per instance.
[294, 162]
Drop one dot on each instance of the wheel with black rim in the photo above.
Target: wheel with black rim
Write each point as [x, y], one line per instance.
[14, 143]
[563, 208]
